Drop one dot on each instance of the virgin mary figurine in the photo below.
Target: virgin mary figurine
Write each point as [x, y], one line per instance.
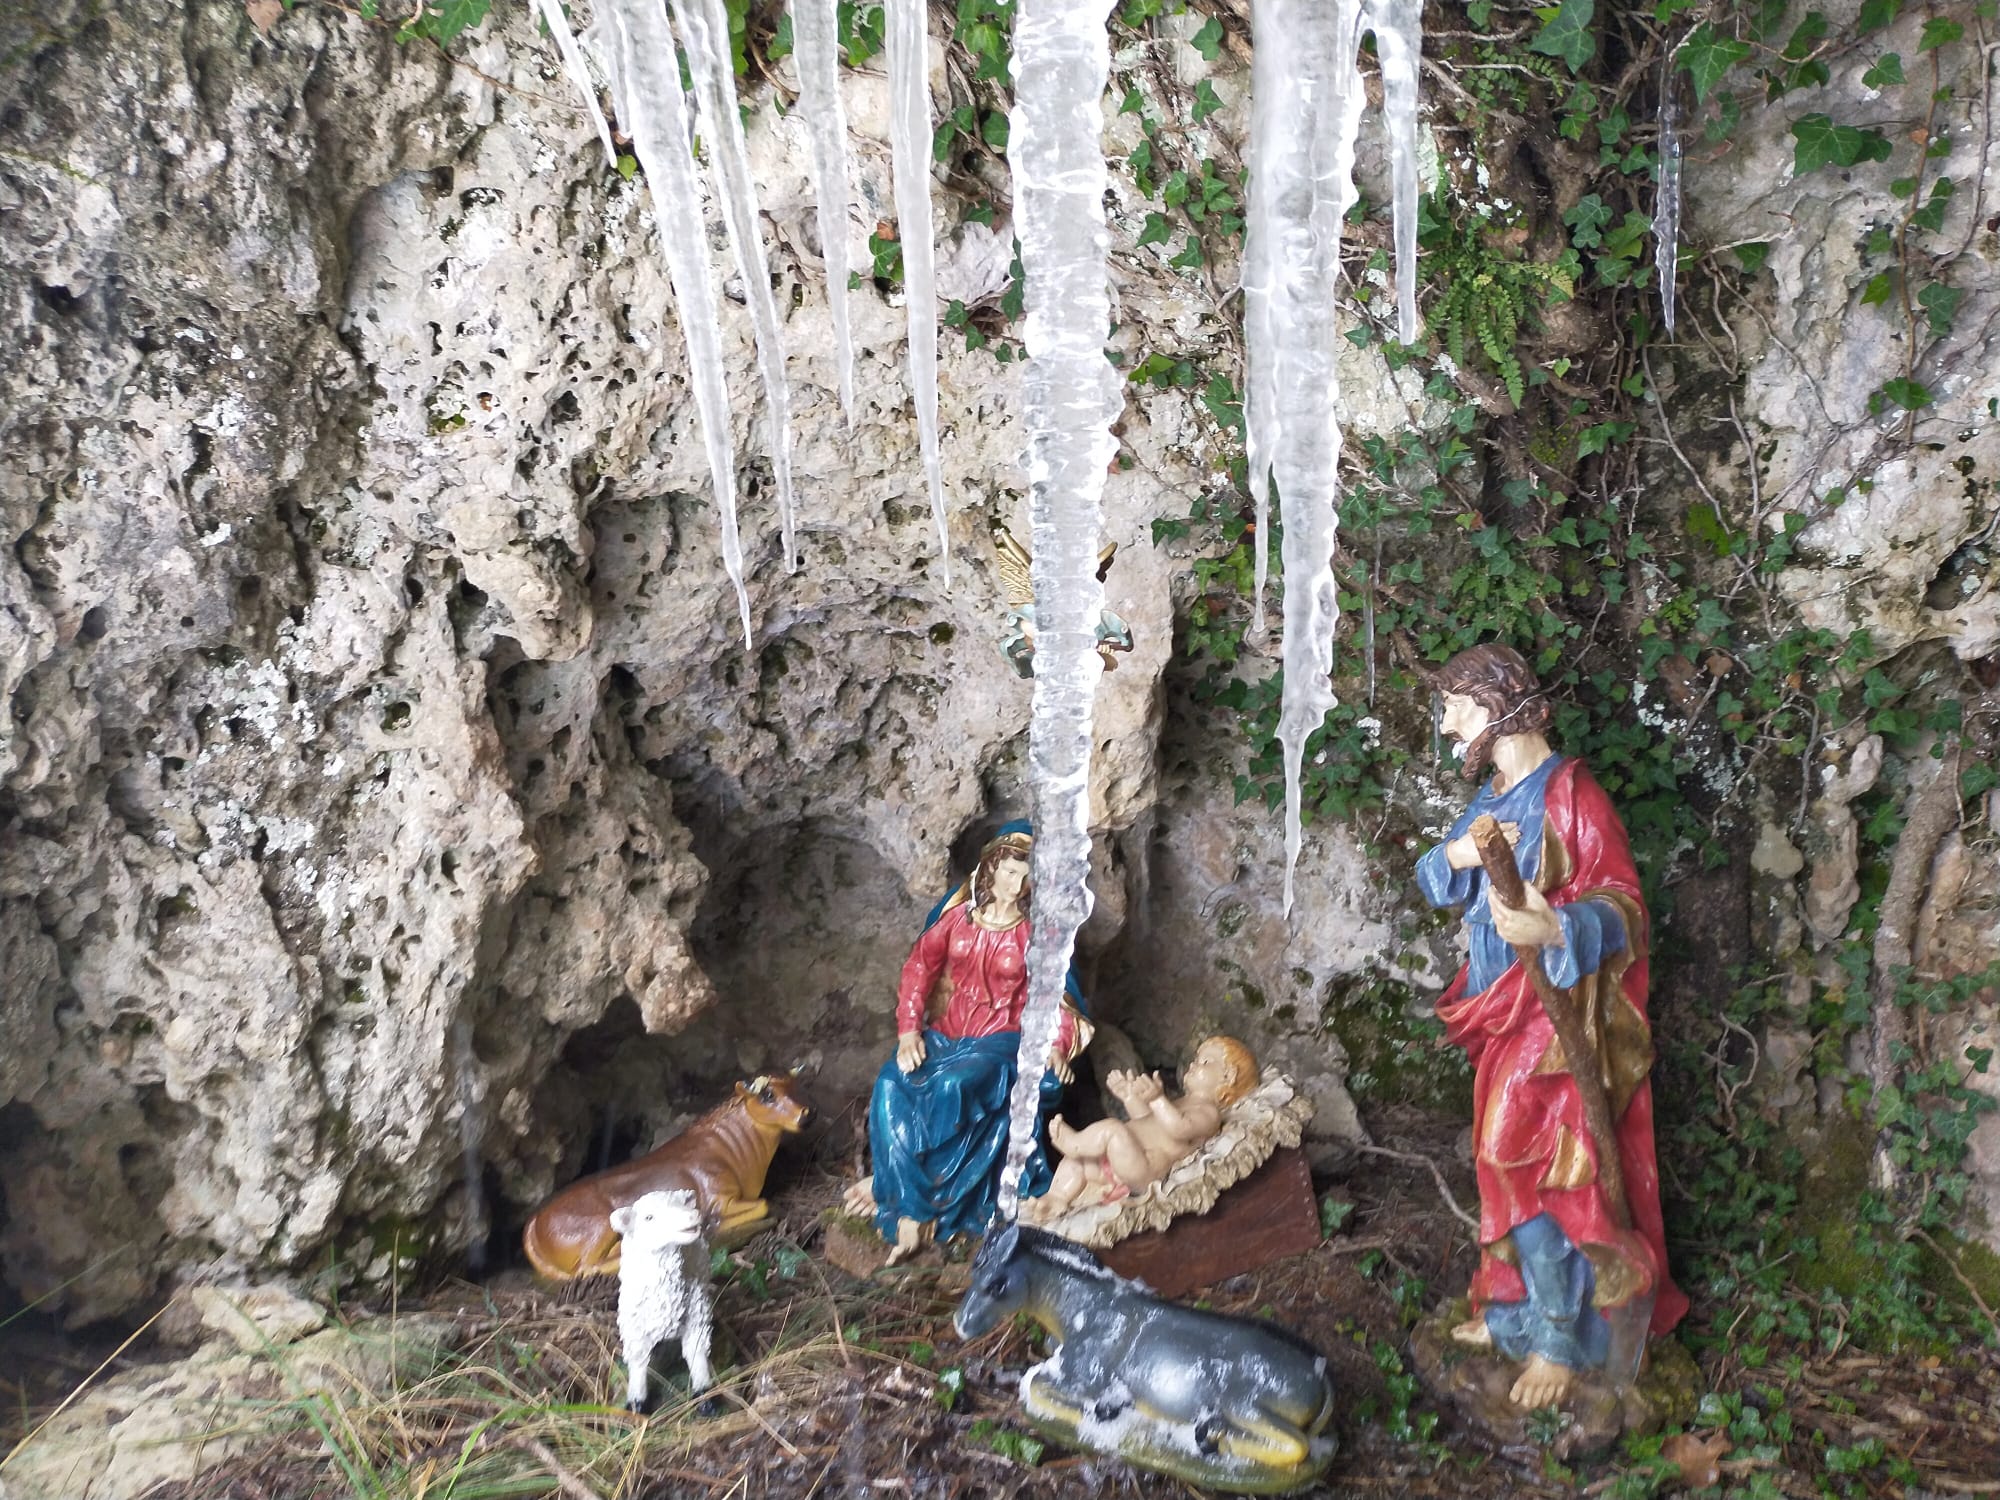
[937, 1122]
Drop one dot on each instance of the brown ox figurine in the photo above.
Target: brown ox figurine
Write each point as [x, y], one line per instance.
[722, 1157]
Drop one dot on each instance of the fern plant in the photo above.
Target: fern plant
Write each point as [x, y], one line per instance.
[1484, 297]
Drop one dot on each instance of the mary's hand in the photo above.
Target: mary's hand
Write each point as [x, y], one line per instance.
[1065, 1071]
[1532, 924]
[910, 1051]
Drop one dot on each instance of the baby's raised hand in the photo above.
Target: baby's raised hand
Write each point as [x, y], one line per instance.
[1144, 1091]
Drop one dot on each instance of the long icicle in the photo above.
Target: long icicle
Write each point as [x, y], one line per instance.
[1313, 179]
[1269, 115]
[909, 49]
[1667, 204]
[705, 32]
[816, 44]
[1070, 398]
[578, 71]
[1399, 44]
[654, 109]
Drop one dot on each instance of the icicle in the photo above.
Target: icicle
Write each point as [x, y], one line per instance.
[471, 1134]
[654, 110]
[1269, 115]
[816, 45]
[705, 32]
[1399, 45]
[1667, 206]
[578, 71]
[909, 50]
[1070, 397]
[1305, 163]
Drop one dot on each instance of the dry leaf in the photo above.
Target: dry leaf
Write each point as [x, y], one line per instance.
[1698, 1459]
[263, 14]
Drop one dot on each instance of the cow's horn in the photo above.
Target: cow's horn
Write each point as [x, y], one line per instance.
[809, 1065]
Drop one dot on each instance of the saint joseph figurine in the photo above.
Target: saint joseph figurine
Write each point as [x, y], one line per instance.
[1554, 1256]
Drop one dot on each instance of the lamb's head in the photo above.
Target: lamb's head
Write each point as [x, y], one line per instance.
[659, 1220]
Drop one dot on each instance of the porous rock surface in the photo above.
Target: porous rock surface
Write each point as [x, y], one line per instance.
[373, 715]
[386, 794]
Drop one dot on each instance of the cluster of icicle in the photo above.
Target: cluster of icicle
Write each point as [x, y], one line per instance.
[1070, 398]
[636, 46]
[1306, 114]
[1306, 98]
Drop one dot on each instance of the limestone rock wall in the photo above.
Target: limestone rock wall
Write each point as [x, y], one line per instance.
[374, 711]
[386, 797]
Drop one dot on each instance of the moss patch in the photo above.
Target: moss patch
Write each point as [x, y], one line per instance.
[1395, 1047]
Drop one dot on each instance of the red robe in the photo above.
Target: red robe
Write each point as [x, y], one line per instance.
[986, 978]
[1533, 1151]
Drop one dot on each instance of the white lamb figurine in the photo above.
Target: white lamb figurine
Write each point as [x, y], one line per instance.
[663, 1286]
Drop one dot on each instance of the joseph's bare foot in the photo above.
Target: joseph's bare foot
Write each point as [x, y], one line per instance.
[911, 1236]
[1473, 1334]
[1542, 1383]
[860, 1199]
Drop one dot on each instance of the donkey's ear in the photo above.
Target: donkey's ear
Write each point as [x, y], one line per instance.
[1002, 1243]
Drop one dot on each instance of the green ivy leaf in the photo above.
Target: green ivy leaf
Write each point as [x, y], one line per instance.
[1156, 231]
[1939, 32]
[1875, 14]
[1603, 435]
[1930, 218]
[1888, 69]
[1707, 57]
[1822, 143]
[1910, 395]
[1206, 101]
[1587, 221]
[1879, 289]
[1753, 257]
[1809, 32]
[453, 18]
[1566, 33]
[1940, 304]
[993, 130]
[1728, 113]
[1208, 40]
[628, 165]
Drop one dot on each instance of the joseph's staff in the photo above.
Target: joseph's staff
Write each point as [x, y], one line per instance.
[1564, 1015]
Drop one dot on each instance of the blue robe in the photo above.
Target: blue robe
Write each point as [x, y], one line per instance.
[1556, 1319]
[938, 1135]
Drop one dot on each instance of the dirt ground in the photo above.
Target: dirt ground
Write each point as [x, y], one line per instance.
[836, 1387]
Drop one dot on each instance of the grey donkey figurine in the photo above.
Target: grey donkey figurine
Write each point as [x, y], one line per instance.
[1232, 1403]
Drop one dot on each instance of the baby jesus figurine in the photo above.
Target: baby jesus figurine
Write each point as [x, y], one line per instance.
[1114, 1159]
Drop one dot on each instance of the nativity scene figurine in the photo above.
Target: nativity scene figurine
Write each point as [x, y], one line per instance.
[1017, 587]
[938, 1116]
[1550, 1008]
[721, 1158]
[1112, 1159]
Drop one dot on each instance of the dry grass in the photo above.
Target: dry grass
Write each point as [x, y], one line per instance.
[830, 1386]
